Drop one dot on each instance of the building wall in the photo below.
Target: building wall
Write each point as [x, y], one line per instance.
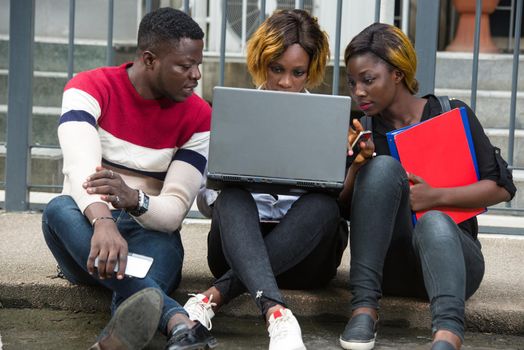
[91, 22]
[52, 19]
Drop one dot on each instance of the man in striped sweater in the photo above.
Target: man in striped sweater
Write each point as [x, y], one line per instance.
[134, 140]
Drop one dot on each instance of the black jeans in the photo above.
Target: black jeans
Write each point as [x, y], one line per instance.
[303, 250]
[435, 259]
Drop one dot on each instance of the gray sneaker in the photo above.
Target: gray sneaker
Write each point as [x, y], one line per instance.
[134, 323]
[360, 333]
[196, 338]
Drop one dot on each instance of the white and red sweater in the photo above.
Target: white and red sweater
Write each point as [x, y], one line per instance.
[158, 146]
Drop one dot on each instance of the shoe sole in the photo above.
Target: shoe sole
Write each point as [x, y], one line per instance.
[136, 319]
[353, 345]
[300, 347]
[209, 345]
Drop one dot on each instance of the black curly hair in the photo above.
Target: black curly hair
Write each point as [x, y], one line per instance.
[166, 25]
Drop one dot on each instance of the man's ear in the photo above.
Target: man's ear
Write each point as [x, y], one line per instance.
[148, 58]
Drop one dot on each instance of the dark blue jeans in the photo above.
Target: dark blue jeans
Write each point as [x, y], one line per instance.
[302, 251]
[434, 259]
[68, 234]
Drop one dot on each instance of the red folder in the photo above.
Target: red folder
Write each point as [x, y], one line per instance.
[441, 151]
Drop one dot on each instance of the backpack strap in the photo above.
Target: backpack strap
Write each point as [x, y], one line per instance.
[444, 103]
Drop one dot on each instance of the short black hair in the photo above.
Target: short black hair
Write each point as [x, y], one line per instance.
[166, 24]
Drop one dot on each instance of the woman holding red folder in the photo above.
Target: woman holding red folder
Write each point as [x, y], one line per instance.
[436, 259]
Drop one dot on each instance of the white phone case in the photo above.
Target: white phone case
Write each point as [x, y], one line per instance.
[137, 265]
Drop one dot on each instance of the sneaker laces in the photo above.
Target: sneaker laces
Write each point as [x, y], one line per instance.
[199, 310]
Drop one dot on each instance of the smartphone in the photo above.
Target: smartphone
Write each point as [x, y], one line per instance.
[137, 265]
[362, 136]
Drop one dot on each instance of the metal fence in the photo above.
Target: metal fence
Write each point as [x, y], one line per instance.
[17, 186]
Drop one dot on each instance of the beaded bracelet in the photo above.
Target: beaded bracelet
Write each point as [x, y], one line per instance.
[102, 218]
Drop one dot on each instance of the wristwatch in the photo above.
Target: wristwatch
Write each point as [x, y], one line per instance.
[142, 206]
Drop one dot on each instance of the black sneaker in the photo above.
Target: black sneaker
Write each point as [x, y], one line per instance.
[196, 338]
[134, 323]
[360, 333]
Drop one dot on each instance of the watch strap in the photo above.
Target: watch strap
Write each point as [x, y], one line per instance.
[142, 206]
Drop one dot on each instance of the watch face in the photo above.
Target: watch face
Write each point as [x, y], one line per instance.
[145, 206]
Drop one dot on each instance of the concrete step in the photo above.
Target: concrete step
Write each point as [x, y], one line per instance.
[47, 88]
[453, 71]
[492, 111]
[518, 200]
[44, 122]
[46, 168]
[493, 107]
[499, 138]
[52, 56]
[494, 224]
[28, 270]
[45, 119]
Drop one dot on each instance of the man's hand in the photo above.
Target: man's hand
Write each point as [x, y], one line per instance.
[367, 148]
[421, 195]
[110, 247]
[112, 188]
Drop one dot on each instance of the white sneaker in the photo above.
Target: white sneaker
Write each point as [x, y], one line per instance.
[284, 331]
[199, 307]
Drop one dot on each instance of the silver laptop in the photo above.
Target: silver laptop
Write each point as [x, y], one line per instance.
[278, 142]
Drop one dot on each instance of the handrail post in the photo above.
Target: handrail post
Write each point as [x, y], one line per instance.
[377, 10]
[20, 102]
[426, 44]
[71, 41]
[514, 85]
[476, 50]
[336, 59]
[262, 13]
[110, 22]
[222, 65]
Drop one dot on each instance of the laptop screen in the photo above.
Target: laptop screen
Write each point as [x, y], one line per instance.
[278, 137]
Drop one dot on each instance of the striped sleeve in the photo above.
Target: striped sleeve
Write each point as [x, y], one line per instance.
[182, 182]
[80, 143]
[195, 151]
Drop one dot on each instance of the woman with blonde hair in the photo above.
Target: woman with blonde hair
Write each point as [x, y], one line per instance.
[263, 242]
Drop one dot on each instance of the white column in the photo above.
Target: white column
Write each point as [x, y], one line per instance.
[387, 11]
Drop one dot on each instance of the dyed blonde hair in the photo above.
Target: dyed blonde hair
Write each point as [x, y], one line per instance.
[389, 44]
[278, 32]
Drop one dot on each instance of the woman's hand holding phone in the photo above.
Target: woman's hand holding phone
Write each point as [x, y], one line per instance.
[360, 143]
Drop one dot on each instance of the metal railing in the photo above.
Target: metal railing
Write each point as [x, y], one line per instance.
[426, 43]
[17, 185]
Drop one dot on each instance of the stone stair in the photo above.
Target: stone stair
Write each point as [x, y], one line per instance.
[49, 79]
[453, 78]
